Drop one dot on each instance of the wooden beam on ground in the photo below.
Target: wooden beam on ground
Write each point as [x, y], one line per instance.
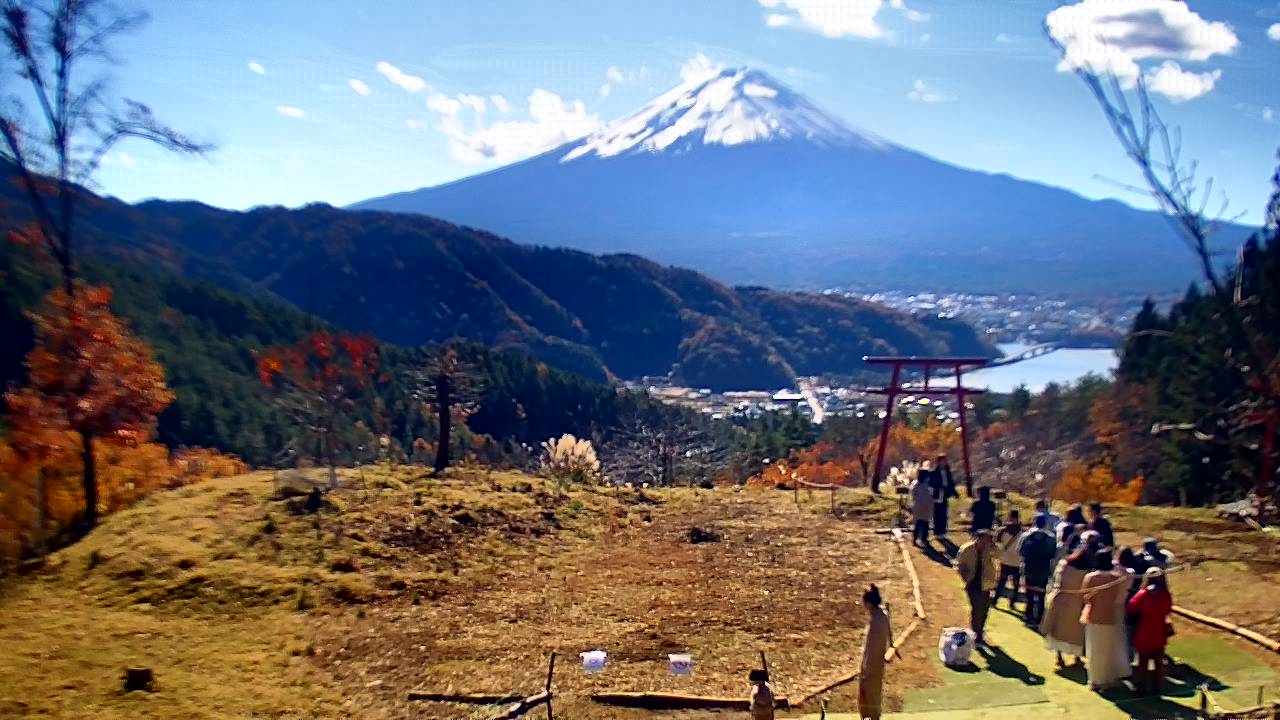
[906, 633]
[523, 706]
[677, 701]
[911, 571]
[1232, 628]
[842, 680]
[465, 698]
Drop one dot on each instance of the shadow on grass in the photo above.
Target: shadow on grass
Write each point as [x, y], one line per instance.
[1000, 663]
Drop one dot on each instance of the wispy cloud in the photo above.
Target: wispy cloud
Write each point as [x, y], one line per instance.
[291, 111]
[836, 18]
[126, 160]
[1180, 85]
[413, 124]
[921, 92]
[614, 74]
[359, 86]
[698, 67]
[500, 104]
[551, 121]
[256, 68]
[1108, 37]
[404, 81]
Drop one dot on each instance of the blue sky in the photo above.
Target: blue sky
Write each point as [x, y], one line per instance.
[340, 101]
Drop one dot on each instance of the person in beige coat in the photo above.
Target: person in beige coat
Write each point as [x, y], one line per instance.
[978, 563]
[1063, 632]
[871, 677]
[921, 508]
[1105, 592]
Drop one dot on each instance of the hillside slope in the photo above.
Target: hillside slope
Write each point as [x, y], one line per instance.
[412, 280]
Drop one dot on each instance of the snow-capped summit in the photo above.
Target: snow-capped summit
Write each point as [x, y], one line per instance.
[735, 174]
[730, 107]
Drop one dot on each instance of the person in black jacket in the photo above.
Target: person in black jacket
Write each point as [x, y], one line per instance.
[943, 485]
[1101, 525]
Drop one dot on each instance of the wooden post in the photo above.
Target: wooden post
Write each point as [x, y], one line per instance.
[1204, 704]
[964, 432]
[551, 669]
[764, 663]
[890, 396]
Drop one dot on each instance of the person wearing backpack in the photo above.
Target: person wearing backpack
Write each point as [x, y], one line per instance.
[1037, 548]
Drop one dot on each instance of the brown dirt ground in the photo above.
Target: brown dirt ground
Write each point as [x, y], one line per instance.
[783, 580]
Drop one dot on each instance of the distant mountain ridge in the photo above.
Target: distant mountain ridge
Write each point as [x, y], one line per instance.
[413, 280]
[738, 176]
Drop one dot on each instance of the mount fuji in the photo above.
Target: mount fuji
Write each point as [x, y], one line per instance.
[737, 176]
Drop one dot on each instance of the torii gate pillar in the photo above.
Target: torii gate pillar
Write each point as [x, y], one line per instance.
[896, 388]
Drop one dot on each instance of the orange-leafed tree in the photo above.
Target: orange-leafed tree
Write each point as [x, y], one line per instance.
[318, 380]
[1089, 483]
[86, 373]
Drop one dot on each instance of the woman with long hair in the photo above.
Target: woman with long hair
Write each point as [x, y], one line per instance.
[871, 678]
[1151, 606]
[1105, 592]
[1061, 627]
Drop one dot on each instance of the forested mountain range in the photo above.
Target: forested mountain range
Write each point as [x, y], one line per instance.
[412, 280]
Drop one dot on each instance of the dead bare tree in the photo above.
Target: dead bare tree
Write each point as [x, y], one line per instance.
[56, 149]
[661, 452]
[1156, 150]
[448, 384]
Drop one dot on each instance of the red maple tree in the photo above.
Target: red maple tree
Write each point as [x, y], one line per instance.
[88, 374]
[318, 379]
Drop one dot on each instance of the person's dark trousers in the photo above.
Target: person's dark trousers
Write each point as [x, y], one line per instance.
[939, 519]
[1036, 588]
[979, 605]
[1150, 673]
[921, 532]
[1008, 572]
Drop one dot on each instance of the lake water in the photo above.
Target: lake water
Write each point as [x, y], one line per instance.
[1060, 366]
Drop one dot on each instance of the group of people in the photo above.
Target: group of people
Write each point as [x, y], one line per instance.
[1090, 599]
[931, 496]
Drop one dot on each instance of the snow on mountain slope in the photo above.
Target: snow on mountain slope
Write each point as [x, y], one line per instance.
[738, 176]
[731, 107]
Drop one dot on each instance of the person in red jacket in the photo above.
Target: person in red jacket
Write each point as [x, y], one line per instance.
[1151, 606]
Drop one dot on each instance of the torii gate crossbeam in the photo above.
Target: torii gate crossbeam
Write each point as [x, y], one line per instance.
[896, 388]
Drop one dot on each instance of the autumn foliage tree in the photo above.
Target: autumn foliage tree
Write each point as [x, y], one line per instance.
[86, 374]
[318, 381]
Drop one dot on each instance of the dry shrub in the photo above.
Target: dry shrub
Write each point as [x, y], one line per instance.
[570, 460]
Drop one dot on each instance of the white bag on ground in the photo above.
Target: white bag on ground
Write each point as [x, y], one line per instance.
[955, 647]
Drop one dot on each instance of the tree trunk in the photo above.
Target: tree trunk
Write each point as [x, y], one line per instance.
[444, 392]
[42, 512]
[90, 478]
[327, 440]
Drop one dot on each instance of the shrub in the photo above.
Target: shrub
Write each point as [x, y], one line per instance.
[570, 460]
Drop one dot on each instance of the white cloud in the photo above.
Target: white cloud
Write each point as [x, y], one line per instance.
[551, 121]
[921, 92]
[359, 86]
[1180, 85]
[1005, 39]
[1268, 114]
[290, 111]
[402, 80]
[413, 124]
[1112, 36]
[256, 68]
[1273, 32]
[836, 18]
[614, 74]
[500, 104]
[605, 89]
[698, 67]
[126, 159]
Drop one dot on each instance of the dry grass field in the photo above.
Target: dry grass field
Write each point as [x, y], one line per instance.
[245, 606]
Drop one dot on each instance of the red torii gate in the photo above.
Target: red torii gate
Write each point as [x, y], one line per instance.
[896, 388]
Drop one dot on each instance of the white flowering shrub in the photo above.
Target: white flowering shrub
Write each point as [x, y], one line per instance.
[570, 460]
